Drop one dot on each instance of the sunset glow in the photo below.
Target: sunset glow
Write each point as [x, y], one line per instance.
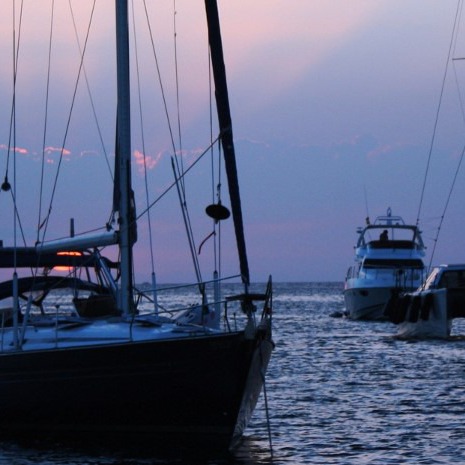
[333, 109]
[67, 269]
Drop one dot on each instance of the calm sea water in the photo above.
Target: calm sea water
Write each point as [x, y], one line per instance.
[338, 392]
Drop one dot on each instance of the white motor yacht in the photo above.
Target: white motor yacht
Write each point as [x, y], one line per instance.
[388, 259]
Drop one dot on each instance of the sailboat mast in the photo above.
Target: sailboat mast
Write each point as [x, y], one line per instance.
[224, 118]
[123, 155]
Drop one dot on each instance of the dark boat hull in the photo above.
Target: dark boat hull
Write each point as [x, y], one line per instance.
[193, 387]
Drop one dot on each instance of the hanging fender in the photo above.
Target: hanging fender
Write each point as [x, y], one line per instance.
[398, 310]
[426, 306]
[403, 307]
[414, 309]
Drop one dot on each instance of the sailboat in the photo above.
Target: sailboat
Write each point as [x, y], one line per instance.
[103, 363]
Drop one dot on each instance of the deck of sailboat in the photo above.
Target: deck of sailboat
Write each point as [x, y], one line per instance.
[56, 334]
[52, 316]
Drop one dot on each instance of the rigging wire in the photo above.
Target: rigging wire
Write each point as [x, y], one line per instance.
[15, 212]
[12, 130]
[438, 111]
[94, 112]
[446, 205]
[187, 225]
[160, 81]
[15, 66]
[216, 243]
[454, 60]
[178, 171]
[47, 91]
[44, 224]
[15, 54]
[91, 99]
[177, 86]
[178, 166]
[455, 35]
[173, 184]
[136, 55]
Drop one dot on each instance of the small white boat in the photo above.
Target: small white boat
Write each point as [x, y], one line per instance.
[388, 259]
[429, 311]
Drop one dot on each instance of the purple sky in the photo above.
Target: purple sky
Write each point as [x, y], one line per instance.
[333, 105]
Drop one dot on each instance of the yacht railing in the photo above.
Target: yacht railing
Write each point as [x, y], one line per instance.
[59, 312]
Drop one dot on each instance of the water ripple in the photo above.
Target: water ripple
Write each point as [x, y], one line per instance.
[339, 392]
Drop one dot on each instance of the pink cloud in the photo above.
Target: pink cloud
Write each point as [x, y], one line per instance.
[57, 151]
[21, 150]
[383, 149]
[50, 150]
[149, 160]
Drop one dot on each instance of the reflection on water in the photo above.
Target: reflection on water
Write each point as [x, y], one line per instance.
[339, 392]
